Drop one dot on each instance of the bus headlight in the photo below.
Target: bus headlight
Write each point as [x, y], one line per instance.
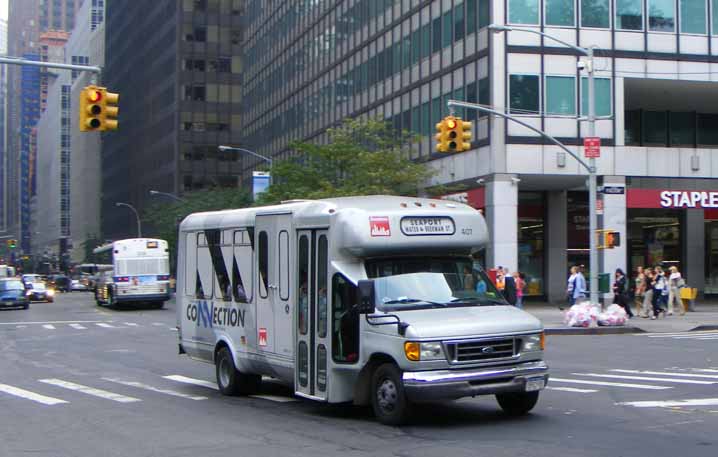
[532, 343]
[423, 351]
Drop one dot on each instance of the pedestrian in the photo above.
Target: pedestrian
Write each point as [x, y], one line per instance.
[469, 281]
[659, 287]
[675, 282]
[509, 288]
[639, 290]
[579, 291]
[519, 280]
[500, 278]
[649, 281]
[620, 292]
[573, 272]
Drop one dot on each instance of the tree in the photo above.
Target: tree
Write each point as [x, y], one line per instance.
[362, 157]
[165, 215]
[88, 246]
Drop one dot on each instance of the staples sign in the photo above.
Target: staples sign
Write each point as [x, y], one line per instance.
[379, 226]
[689, 199]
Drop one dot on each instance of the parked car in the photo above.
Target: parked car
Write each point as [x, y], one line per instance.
[59, 283]
[12, 294]
[38, 291]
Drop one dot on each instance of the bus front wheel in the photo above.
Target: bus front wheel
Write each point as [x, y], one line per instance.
[391, 407]
[230, 380]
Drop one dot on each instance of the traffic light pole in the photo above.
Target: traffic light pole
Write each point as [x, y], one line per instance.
[35, 63]
[590, 167]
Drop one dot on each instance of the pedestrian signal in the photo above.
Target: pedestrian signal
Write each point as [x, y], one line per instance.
[608, 239]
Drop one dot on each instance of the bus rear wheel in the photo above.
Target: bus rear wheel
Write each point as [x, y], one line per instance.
[230, 380]
[391, 407]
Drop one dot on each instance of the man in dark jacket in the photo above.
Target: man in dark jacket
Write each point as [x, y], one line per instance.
[509, 288]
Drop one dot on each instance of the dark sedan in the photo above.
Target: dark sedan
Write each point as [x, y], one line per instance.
[12, 294]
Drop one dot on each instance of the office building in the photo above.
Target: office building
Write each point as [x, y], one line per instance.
[176, 66]
[311, 64]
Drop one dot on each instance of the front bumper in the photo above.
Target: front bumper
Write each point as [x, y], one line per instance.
[452, 384]
[13, 304]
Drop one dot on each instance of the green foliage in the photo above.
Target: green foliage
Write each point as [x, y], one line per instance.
[165, 214]
[88, 246]
[362, 157]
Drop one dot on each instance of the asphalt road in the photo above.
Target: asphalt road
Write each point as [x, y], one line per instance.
[78, 380]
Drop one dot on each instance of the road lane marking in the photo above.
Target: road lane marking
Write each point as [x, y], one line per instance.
[49, 326]
[196, 382]
[90, 390]
[78, 327]
[140, 385]
[684, 335]
[646, 378]
[664, 373]
[572, 389]
[48, 322]
[158, 324]
[26, 394]
[705, 370]
[612, 384]
[21, 326]
[131, 324]
[671, 403]
[104, 325]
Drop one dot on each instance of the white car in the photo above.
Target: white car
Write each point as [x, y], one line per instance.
[76, 284]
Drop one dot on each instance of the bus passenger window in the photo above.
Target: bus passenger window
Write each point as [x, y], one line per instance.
[263, 264]
[303, 277]
[198, 291]
[240, 294]
[345, 328]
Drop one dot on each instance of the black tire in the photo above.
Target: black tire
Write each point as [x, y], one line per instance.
[388, 398]
[110, 300]
[157, 305]
[26, 306]
[230, 380]
[50, 300]
[517, 404]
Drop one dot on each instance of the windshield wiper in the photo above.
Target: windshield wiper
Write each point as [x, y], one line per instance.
[479, 301]
[411, 300]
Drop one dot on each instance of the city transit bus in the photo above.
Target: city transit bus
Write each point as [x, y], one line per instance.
[375, 300]
[141, 272]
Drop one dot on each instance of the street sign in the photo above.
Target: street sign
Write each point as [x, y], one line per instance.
[612, 190]
[592, 147]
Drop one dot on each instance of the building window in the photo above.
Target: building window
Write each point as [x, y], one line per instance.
[714, 14]
[595, 14]
[682, 129]
[661, 15]
[654, 128]
[560, 95]
[693, 16]
[524, 12]
[629, 14]
[603, 96]
[560, 13]
[524, 94]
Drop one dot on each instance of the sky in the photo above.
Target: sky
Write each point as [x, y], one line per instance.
[3, 9]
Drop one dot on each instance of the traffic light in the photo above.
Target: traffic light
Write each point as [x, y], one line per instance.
[98, 109]
[612, 239]
[110, 110]
[12, 244]
[90, 109]
[454, 135]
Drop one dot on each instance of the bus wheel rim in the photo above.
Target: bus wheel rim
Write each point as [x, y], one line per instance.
[387, 396]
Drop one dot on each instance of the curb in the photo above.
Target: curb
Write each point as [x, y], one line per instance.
[701, 328]
[592, 330]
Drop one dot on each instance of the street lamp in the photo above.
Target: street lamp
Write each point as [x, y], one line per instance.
[223, 148]
[168, 195]
[137, 216]
[591, 118]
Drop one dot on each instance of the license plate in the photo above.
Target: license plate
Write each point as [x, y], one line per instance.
[533, 384]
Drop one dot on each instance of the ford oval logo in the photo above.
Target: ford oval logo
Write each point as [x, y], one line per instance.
[487, 350]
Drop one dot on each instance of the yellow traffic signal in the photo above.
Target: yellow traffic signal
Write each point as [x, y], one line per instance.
[110, 110]
[90, 109]
[454, 135]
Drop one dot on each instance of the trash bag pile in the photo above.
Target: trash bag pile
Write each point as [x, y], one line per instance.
[581, 315]
[613, 316]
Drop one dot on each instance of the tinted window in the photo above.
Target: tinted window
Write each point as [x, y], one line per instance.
[263, 261]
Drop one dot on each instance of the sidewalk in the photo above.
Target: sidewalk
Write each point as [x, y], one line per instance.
[705, 317]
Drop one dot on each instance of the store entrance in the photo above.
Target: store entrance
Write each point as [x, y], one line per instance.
[655, 237]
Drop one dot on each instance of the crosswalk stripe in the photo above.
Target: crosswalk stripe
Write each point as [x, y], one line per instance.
[612, 384]
[131, 324]
[102, 324]
[705, 370]
[140, 385]
[664, 373]
[49, 326]
[22, 393]
[158, 324]
[275, 398]
[78, 327]
[682, 335]
[572, 389]
[671, 403]
[90, 390]
[196, 382]
[645, 378]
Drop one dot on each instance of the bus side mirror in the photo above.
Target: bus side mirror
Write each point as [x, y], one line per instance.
[365, 296]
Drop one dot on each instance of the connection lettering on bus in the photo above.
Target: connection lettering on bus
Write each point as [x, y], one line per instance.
[208, 315]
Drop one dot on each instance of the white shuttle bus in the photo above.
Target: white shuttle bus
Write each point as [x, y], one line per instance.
[375, 300]
[140, 272]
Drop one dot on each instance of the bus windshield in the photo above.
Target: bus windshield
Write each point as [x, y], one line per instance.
[417, 283]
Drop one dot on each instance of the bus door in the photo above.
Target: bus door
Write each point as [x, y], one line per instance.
[274, 309]
[312, 314]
